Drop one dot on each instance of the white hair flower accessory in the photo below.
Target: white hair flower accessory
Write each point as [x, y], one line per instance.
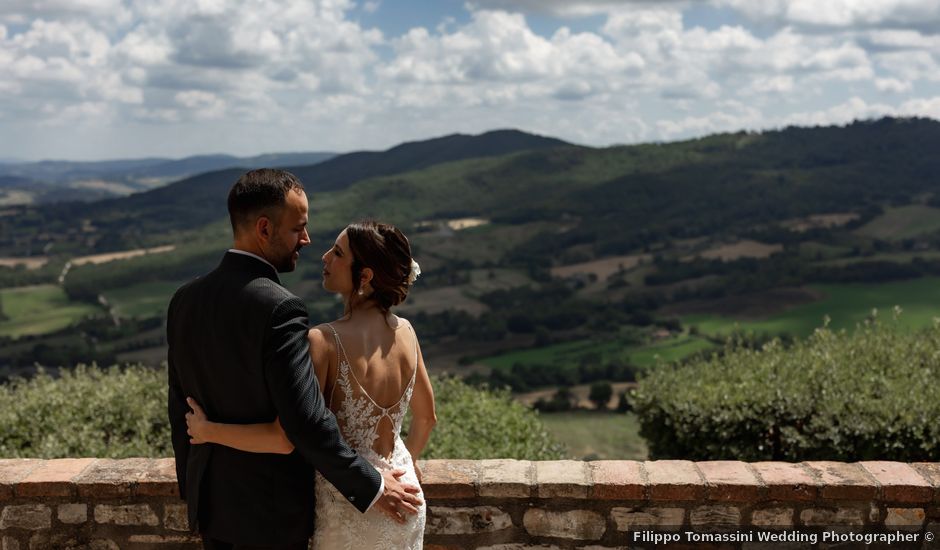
[413, 274]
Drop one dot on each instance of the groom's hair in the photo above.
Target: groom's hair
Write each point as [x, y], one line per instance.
[259, 192]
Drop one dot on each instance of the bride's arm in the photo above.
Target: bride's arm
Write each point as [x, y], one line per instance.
[256, 438]
[253, 438]
[423, 417]
[322, 353]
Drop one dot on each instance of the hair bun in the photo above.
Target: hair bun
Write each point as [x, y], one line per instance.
[386, 251]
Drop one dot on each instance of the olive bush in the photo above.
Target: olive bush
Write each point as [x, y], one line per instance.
[872, 393]
[475, 423]
[118, 412]
[89, 411]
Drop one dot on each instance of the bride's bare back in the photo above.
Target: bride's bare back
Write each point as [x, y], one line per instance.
[376, 368]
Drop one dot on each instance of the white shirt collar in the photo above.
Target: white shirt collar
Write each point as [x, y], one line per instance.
[255, 256]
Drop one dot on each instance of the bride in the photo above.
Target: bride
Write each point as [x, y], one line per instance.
[370, 369]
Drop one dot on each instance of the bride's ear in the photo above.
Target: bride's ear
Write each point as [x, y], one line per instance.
[365, 277]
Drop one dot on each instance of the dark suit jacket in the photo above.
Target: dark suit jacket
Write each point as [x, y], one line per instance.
[238, 345]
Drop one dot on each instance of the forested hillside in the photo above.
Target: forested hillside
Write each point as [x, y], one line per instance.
[548, 264]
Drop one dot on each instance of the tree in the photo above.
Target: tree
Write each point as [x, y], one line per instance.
[601, 392]
[563, 400]
[623, 404]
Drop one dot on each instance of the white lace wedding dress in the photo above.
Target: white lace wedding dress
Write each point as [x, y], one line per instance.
[339, 525]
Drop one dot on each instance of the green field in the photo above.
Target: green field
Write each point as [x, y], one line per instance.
[597, 435]
[669, 350]
[570, 354]
[41, 309]
[894, 257]
[142, 300]
[845, 304]
[903, 222]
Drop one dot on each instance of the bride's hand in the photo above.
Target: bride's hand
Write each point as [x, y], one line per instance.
[197, 425]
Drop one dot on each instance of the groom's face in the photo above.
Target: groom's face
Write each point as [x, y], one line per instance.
[289, 233]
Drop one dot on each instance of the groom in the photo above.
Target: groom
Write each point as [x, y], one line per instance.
[238, 345]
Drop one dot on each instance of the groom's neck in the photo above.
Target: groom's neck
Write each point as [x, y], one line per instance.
[248, 246]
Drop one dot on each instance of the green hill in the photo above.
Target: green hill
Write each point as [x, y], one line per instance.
[529, 249]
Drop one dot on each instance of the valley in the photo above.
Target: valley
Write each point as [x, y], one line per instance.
[545, 264]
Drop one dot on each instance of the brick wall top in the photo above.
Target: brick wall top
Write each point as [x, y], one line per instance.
[472, 480]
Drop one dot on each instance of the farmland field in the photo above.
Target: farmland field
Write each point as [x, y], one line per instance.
[141, 300]
[597, 435]
[40, 309]
[894, 257]
[845, 304]
[570, 354]
[903, 222]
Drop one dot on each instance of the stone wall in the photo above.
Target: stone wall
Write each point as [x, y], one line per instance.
[503, 504]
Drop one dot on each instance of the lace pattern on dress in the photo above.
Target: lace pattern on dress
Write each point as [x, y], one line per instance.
[339, 524]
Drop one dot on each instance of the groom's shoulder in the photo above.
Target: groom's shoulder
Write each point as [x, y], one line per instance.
[185, 289]
[267, 290]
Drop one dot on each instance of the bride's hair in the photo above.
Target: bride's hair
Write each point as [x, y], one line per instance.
[386, 250]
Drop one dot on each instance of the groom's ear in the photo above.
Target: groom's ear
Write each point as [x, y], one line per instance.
[263, 227]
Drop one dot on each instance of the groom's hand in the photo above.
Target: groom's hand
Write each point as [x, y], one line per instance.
[398, 498]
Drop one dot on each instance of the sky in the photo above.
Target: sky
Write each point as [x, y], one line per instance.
[105, 79]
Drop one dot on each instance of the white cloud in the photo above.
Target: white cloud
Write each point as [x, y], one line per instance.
[206, 105]
[500, 47]
[901, 39]
[143, 48]
[892, 85]
[909, 65]
[105, 11]
[281, 49]
[851, 110]
[571, 8]
[840, 13]
[923, 106]
[305, 74]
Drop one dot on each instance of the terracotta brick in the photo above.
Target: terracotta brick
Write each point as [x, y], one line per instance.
[108, 478]
[772, 517]
[931, 472]
[674, 480]
[905, 517]
[570, 524]
[32, 517]
[12, 470]
[900, 482]
[701, 516]
[506, 478]
[449, 478]
[159, 479]
[563, 479]
[786, 481]
[443, 520]
[831, 517]
[841, 481]
[730, 481]
[618, 480]
[53, 478]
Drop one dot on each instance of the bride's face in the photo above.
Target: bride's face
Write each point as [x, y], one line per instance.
[337, 267]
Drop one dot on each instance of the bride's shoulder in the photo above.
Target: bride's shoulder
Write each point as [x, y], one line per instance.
[320, 337]
[397, 321]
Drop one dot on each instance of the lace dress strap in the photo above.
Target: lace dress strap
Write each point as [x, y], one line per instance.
[340, 356]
